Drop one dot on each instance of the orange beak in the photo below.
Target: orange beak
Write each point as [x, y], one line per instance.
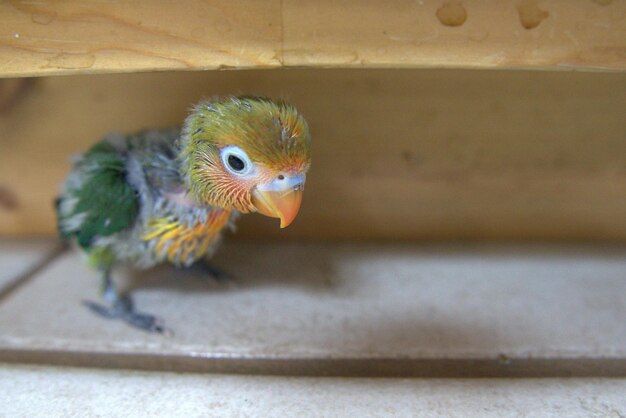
[283, 204]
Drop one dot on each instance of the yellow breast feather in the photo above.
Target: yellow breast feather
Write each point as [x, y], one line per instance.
[183, 244]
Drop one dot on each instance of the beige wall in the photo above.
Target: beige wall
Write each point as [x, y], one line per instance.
[398, 154]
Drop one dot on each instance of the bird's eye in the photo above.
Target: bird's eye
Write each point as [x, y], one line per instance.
[236, 161]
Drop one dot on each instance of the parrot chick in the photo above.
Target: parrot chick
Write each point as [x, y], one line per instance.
[166, 196]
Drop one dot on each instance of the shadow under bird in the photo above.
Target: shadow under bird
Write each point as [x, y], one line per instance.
[166, 196]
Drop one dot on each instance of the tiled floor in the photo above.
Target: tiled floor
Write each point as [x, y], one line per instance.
[332, 309]
[18, 258]
[36, 391]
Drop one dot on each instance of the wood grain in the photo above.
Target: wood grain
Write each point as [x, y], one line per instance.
[71, 36]
[556, 34]
[398, 154]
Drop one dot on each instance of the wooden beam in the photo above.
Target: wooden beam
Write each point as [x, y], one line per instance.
[550, 34]
[71, 36]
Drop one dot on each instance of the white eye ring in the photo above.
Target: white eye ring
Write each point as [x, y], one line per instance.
[236, 160]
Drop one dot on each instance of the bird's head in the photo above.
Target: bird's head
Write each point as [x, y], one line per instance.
[247, 154]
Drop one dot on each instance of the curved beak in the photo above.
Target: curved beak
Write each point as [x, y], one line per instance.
[281, 198]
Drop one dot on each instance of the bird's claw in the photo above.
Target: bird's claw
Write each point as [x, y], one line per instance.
[215, 273]
[123, 309]
[103, 311]
[146, 322]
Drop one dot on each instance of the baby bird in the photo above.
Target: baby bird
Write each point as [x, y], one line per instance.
[166, 196]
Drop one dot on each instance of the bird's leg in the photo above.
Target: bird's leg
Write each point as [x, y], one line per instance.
[215, 272]
[122, 307]
[206, 268]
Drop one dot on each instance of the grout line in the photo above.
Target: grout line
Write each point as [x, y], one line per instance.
[26, 277]
[328, 367]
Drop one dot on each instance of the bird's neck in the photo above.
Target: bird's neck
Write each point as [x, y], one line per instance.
[185, 199]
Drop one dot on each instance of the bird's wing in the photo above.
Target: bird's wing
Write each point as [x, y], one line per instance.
[156, 157]
[97, 200]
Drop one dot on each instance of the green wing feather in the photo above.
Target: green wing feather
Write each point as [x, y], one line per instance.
[98, 201]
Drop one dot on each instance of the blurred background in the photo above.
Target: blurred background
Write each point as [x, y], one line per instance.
[402, 154]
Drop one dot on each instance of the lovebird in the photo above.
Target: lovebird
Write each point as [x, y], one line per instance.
[167, 196]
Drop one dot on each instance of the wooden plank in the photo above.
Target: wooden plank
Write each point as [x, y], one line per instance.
[402, 154]
[343, 310]
[91, 392]
[71, 36]
[555, 34]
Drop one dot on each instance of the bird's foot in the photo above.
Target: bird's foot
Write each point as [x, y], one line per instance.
[123, 309]
[215, 273]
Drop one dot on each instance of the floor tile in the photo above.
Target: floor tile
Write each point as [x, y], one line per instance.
[20, 256]
[333, 302]
[48, 391]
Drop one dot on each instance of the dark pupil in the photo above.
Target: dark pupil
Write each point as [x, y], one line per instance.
[235, 163]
